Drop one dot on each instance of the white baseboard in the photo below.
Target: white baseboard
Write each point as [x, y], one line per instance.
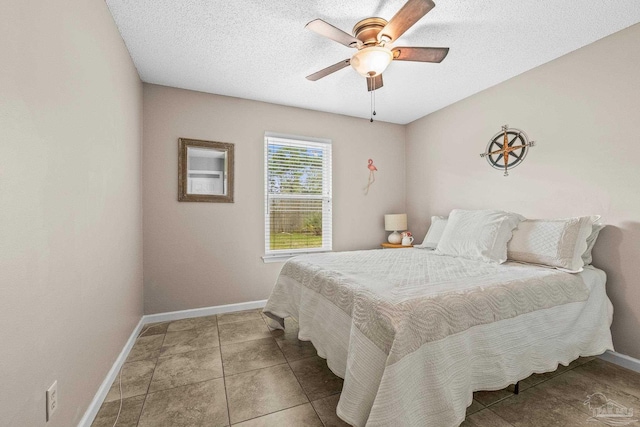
[94, 407]
[621, 360]
[204, 311]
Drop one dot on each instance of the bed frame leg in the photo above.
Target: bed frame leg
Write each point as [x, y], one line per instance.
[516, 389]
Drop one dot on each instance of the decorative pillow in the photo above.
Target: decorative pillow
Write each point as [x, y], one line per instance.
[591, 240]
[479, 234]
[435, 232]
[557, 243]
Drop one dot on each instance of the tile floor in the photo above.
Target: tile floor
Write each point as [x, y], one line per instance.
[231, 369]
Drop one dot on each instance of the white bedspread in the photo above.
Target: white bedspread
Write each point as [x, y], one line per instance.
[413, 334]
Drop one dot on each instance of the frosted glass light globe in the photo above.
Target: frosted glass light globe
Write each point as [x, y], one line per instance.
[371, 61]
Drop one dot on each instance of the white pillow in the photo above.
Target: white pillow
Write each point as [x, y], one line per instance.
[557, 243]
[591, 240]
[479, 234]
[438, 223]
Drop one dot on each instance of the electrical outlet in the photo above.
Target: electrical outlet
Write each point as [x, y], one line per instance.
[52, 399]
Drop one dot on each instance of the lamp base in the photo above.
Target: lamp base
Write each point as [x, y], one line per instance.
[395, 238]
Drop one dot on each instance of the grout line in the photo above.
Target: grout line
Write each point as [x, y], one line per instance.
[183, 385]
[274, 412]
[224, 377]
[496, 414]
[255, 369]
[144, 402]
[298, 380]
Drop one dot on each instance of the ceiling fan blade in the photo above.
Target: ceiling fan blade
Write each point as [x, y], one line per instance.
[374, 83]
[420, 54]
[327, 30]
[408, 15]
[331, 69]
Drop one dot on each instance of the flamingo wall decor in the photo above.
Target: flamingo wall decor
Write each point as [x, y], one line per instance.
[372, 176]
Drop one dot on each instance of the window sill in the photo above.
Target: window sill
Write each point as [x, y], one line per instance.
[267, 259]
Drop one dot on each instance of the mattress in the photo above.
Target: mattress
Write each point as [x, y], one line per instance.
[413, 334]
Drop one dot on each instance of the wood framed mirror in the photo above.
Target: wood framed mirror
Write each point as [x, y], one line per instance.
[205, 171]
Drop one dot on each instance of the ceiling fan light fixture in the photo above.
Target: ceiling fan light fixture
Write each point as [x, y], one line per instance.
[371, 61]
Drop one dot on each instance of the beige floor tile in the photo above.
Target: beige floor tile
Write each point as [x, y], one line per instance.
[575, 389]
[239, 316]
[249, 355]
[154, 329]
[147, 347]
[486, 418]
[243, 331]
[192, 323]
[316, 378]
[299, 416]
[535, 408]
[190, 340]
[326, 409]
[474, 407]
[291, 346]
[256, 393]
[617, 377]
[195, 405]
[186, 368]
[488, 398]
[295, 349]
[535, 379]
[581, 361]
[129, 415]
[136, 377]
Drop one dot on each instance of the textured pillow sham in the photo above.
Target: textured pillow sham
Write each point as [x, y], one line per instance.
[557, 243]
[481, 235]
[438, 223]
[591, 240]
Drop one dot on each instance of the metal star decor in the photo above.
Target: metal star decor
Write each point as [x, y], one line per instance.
[511, 152]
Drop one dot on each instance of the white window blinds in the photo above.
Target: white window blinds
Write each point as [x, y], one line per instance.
[297, 195]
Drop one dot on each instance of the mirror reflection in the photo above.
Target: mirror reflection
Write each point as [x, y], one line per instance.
[206, 171]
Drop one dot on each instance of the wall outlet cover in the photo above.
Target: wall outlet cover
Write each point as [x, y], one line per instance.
[52, 399]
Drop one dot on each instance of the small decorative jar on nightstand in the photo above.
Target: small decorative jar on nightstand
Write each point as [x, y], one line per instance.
[392, 246]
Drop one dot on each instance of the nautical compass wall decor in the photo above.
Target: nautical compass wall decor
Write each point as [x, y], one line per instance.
[507, 149]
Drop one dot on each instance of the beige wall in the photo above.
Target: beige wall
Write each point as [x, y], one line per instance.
[205, 254]
[583, 109]
[70, 205]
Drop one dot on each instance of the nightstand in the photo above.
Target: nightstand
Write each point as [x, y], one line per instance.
[392, 246]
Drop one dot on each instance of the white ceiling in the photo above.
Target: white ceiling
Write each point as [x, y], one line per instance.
[260, 50]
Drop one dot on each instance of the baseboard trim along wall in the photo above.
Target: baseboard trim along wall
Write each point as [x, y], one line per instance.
[621, 360]
[95, 404]
[610, 356]
[204, 311]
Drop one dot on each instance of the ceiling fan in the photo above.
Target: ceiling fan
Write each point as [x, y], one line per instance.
[372, 37]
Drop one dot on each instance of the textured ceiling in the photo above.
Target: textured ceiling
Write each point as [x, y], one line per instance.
[260, 50]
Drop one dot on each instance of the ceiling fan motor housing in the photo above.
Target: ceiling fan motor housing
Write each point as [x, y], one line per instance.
[367, 30]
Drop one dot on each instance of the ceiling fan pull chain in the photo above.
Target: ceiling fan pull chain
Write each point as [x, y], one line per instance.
[374, 101]
[370, 81]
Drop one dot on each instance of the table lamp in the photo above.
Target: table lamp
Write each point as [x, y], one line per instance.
[395, 223]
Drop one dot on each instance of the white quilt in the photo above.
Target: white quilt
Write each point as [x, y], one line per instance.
[413, 334]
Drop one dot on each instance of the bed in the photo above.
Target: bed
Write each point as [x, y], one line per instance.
[414, 334]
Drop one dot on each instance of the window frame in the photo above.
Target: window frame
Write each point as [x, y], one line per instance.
[277, 255]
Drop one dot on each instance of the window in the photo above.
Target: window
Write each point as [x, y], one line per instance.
[297, 196]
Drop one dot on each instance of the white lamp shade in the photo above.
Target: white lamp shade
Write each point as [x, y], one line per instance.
[395, 222]
[371, 61]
